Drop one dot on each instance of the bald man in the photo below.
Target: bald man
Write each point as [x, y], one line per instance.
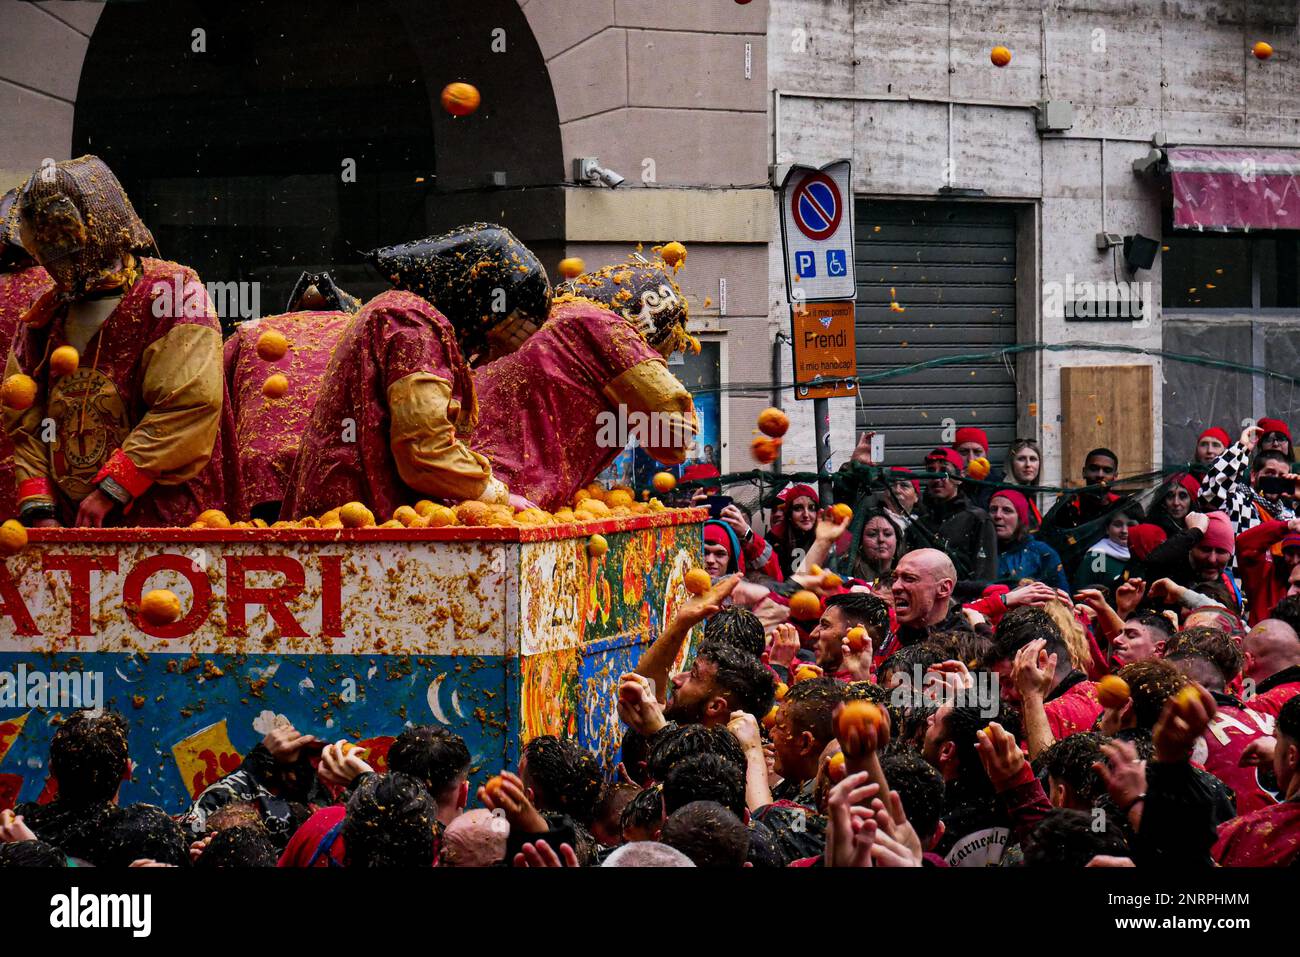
[476, 838]
[922, 592]
[1273, 664]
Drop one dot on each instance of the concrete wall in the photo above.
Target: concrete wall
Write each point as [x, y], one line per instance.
[1131, 68]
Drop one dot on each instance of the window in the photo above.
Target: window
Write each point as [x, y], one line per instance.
[1231, 270]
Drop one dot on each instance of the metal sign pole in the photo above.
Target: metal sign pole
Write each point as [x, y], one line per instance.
[822, 423]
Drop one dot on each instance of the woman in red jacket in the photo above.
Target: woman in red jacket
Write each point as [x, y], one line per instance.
[1266, 556]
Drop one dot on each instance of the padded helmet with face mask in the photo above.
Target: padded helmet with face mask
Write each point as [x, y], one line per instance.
[480, 276]
[78, 223]
[642, 292]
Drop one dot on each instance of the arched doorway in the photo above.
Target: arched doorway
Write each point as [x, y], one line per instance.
[236, 125]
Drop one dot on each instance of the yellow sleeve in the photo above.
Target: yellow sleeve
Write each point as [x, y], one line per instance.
[429, 454]
[182, 390]
[649, 388]
[31, 455]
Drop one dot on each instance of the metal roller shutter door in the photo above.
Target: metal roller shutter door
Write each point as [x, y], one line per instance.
[953, 267]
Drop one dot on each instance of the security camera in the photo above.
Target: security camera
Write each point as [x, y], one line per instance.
[587, 169]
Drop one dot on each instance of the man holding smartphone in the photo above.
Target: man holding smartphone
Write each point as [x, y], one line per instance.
[1270, 493]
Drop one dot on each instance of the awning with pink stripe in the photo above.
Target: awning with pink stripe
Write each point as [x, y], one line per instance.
[1235, 188]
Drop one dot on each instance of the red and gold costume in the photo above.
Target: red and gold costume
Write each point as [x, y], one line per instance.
[144, 408]
[395, 409]
[18, 290]
[139, 421]
[543, 408]
[269, 431]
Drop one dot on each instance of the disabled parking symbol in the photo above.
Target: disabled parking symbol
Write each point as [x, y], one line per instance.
[805, 265]
[837, 262]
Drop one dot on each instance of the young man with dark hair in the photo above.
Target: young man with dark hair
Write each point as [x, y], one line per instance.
[675, 744]
[643, 816]
[920, 788]
[88, 761]
[1272, 668]
[1032, 659]
[390, 823]
[1100, 468]
[707, 833]
[561, 777]
[1270, 836]
[1234, 728]
[738, 627]
[1071, 838]
[706, 777]
[606, 826]
[241, 846]
[805, 724]
[1144, 636]
[952, 523]
[843, 612]
[722, 679]
[1072, 779]
[142, 831]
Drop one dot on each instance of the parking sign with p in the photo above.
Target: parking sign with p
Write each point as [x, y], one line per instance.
[817, 232]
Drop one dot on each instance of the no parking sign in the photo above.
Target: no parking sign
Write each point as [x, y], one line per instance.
[817, 233]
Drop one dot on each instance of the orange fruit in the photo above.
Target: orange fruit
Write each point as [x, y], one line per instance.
[1112, 691]
[392, 523]
[856, 716]
[493, 786]
[619, 498]
[405, 514]
[592, 508]
[698, 581]
[1262, 50]
[769, 719]
[655, 505]
[764, 449]
[572, 267]
[1000, 56]
[695, 345]
[805, 605]
[356, 515]
[473, 513]
[160, 607]
[439, 516]
[272, 345]
[13, 537]
[815, 570]
[857, 639]
[1185, 697]
[781, 689]
[564, 516]
[835, 767]
[597, 546]
[213, 518]
[804, 673]
[18, 392]
[673, 253]
[64, 360]
[275, 386]
[773, 422]
[460, 99]
[832, 580]
[501, 515]
[664, 482]
[841, 512]
[580, 496]
[978, 468]
[424, 507]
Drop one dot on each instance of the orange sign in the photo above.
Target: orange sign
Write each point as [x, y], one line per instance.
[824, 345]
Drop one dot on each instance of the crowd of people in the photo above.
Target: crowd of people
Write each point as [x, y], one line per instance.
[931, 670]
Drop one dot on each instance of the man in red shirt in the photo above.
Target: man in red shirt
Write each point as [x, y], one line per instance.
[1231, 729]
[1032, 660]
[1270, 836]
[1272, 667]
[1267, 555]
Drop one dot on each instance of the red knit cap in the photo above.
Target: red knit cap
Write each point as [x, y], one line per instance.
[1219, 533]
[1189, 482]
[916, 486]
[1274, 425]
[970, 433]
[1142, 540]
[1214, 432]
[1018, 502]
[947, 455]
